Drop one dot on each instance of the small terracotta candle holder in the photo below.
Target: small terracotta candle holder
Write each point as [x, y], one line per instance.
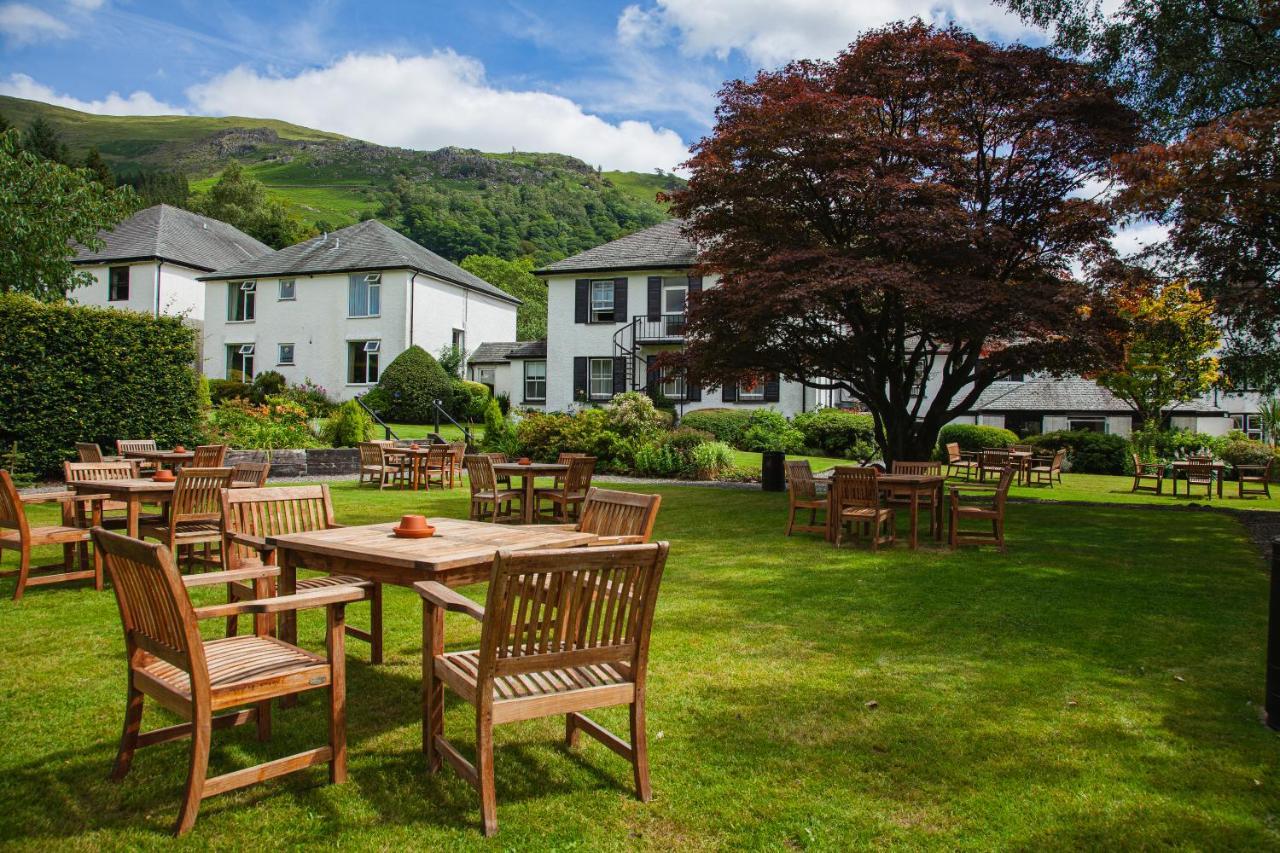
[164, 475]
[413, 527]
[179, 449]
[524, 460]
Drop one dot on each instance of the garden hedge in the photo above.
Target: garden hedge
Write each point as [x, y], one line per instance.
[73, 373]
[1089, 452]
[840, 433]
[410, 384]
[974, 437]
[726, 425]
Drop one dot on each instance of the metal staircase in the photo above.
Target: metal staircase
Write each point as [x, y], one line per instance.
[624, 346]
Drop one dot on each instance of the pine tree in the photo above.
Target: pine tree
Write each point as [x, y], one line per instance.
[101, 171]
[43, 140]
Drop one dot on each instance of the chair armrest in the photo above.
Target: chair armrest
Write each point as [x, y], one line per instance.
[61, 497]
[439, 595]
[230, 576]
[609, 541]
[257, 543]
[298, 601]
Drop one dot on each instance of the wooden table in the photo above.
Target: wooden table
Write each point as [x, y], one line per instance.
[133, 493]
[913, 484]
[1181, 465]
[1022, 459]
[527, 474]
[418, 457]
[162, 457]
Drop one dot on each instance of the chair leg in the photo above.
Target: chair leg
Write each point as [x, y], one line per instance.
[337, 629]
[484, 772]
[129, 738]
[640, 751]
[200, 739]
[791, 519]
[432, 687]
[263, 720]
[375, 624]
[24, 569]
[571, 735]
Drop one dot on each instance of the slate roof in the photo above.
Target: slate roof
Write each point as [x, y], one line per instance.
[660, 247]
[368, 245]
[1066, 394]
[175, 235]
[494, 353]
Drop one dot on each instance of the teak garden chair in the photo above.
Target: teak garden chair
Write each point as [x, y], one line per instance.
[856, 503]
[195, 678]
[249, 516]
[960, 463]
[617, 518]
[994, 513]
[375, 467]
[565, 459]
[802, 494]
[1047, 469]
[1144, 471]
[1198, 474]
[1253, 480]
[250, 473]
[567, 497]
[487, 499]
[992, 461]
[504, 482]
[457, 452]
[17, 535]
[127, 445]
[209, 456]
[195, 514]
[562, 632]
[80, 472]
[437, 464]
[88, 451]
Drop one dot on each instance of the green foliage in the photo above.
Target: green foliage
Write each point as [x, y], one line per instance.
[275, 425]
[45, 207]
[837, 432]
[98, 167]
[450, 359]
[1269, 413]
[410, 384]
[15, 462]
[657, 460]
[1089, 452]
[268, 383]
[711, 460]
[544, 436]
[347, 426]
[726, 425]
[241, 200]
[633, 415]
[43, 140]
[159, 187]
[516, 278]
[377, 400]
[228, 389]
[204, 399]
[312, 397]
[497, 429]
[769, 430]
[72, 373]
[504, 403]
[469, 400]
[974, 437]
[1238, 449]
[1152, 443]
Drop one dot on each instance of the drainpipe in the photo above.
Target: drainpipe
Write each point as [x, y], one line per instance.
[159, 264]
[413, 292]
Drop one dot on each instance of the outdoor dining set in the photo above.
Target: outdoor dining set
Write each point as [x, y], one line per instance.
[566, 622]
[1202, 472]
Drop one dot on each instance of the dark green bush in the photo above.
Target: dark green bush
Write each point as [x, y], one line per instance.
[974, 437]
[1238, 449]
[726, 425]
[73, 373]
[410, 383]
[348, 426]
[837, 432]
[469, 400]
[770, 430]
[227, 389]
[1089, 452]
[268, 383]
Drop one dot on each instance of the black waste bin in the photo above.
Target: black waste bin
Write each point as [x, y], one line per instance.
[772, 474]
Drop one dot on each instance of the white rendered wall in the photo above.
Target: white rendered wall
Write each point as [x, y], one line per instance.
[180, 294]
[440, 307]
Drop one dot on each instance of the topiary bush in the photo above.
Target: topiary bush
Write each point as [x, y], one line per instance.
[1089, 452]
[409, 385]
[769, 430]
[726, 425]
[468, 401]
[974, 437]
[268, 383]
[347, 426]
[837, 432]
[73, 373]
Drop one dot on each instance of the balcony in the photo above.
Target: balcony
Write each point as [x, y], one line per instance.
[664, 329]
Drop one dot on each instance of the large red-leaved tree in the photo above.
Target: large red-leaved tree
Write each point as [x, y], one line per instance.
[911, 208]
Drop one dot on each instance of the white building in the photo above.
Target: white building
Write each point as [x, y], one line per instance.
[337, 308]
[152, 262]
[517, 369]
[612, 309]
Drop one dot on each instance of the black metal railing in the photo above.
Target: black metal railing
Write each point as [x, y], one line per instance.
[391, 436]
[439, 410]
[665, 327]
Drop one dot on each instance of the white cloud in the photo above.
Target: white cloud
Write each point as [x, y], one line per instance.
[1133, 238]
[771, 32]
[137, 104]
[21, 24]
[86, 5]
[437, 100]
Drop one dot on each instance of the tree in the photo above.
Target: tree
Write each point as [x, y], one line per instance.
[240, 199]
[43, 140]
[905, 211]
[98, 167]
[1169, 350]
[159, 187]
[45, 208]
[516, 278]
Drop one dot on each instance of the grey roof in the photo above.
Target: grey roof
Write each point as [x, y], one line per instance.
[1064, 394]
[659, 247]
[368, 245]
[494, 353]
[175, 235]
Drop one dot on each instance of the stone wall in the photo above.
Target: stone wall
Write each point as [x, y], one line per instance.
[326, 462]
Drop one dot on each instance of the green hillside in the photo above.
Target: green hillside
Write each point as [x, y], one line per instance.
[454, 201]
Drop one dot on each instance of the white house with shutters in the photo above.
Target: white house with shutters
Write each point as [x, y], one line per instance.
[337, 308]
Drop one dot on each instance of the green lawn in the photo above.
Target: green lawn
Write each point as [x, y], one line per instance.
[448, 431]
[1098, 686]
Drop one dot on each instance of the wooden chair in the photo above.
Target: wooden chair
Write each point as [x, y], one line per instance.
[1046, 469]
[1253, 480]
[209, 456]
[1143, 471]
[566, 498]
[504, 482]
[376, 467]
[576, 655]
[249, 516]
[80, 472]
[485, 491]
[436, 465]
[88, 451]
[127, 445]
[992, 460]
[252, 474]
[993, 513]
[195, 514]
[565, 459]
[16, 534]
[195, 679]
[1198, 474]
[1022, 448]
[458, 452]
[856, 503]
[802, 494]
[960, 463]
[900, 497]
[618, 518]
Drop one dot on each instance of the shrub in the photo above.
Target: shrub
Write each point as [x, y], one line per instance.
[410, 383]
[544, 436]
[657, 460]
[276, 424]
[1089, 452]
[312, 397]
[974, 437]
[268, 383]
[726, 425]
[469, 400]
[73, 373]
[711, 460]
[504, 403]
[347, 426]
[769, 430]
[227, 389]
[634, 415]
[497, 430]
[836, 432]
[1238, 449]
[1152, 443]
[377, 400]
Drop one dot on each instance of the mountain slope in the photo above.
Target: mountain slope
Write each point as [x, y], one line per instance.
[454, 201]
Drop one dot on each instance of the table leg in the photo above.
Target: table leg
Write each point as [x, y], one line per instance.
[915, 518]
[526, 511]
[288, 586]
[937, 513]
[131, 515]
[833, 521]
[1221, 475]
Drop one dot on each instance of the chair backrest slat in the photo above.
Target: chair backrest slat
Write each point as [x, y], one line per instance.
[578, 478]
[856, 487]
[800, 479]
[11, 515]
[564, 458]
[197, 496]
[135, 444]
[79, 472]
[480, 473]
[923, 469]
[371, 453]
[610, 513]
[953, 451]
[273, 512]
[89, 451]
[209, 456]
[251, 472]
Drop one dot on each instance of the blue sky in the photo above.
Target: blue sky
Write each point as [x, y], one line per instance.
[622, 85]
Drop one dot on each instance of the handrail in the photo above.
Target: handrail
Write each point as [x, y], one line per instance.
[391, 436]
[466, 433]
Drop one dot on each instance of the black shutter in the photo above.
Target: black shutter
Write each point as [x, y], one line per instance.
[650, 373]
[581, 295]
[772, 389]
[620, 300]
[655, 297]
[695, 284]
[693, 392]
[580, 377]
[729, 393]
[619, 373]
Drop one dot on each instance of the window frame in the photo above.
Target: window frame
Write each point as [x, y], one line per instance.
[674, 386]
[1090, 419]
[237, 351]
[372, 284]
[280, 355]
[293, 290]
[753, 396]
[242, 297]
[541, 398]
[372, 358]
[112, 293]
[592, 378]
[598, 315]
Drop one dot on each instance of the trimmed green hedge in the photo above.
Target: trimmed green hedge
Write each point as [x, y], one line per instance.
[410, 384]
[73, 373]
[837, 432]
[726, 425]
[975, 437]
[1089, 452]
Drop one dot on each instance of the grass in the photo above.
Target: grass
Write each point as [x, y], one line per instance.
[448, 431]
[1096, 686]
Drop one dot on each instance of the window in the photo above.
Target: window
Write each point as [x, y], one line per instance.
[286, 354]
[535, 380]
[240, 362]
[118, 284]
[675, 296]
[599, 378]
[1250, 425]
[288, 289]
[1087, 424]
[602, 301]
[751, 393]
[459, 341]
[362, 362]
[240, 301]
[673, 387]
[485, 376]
[365, 295]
